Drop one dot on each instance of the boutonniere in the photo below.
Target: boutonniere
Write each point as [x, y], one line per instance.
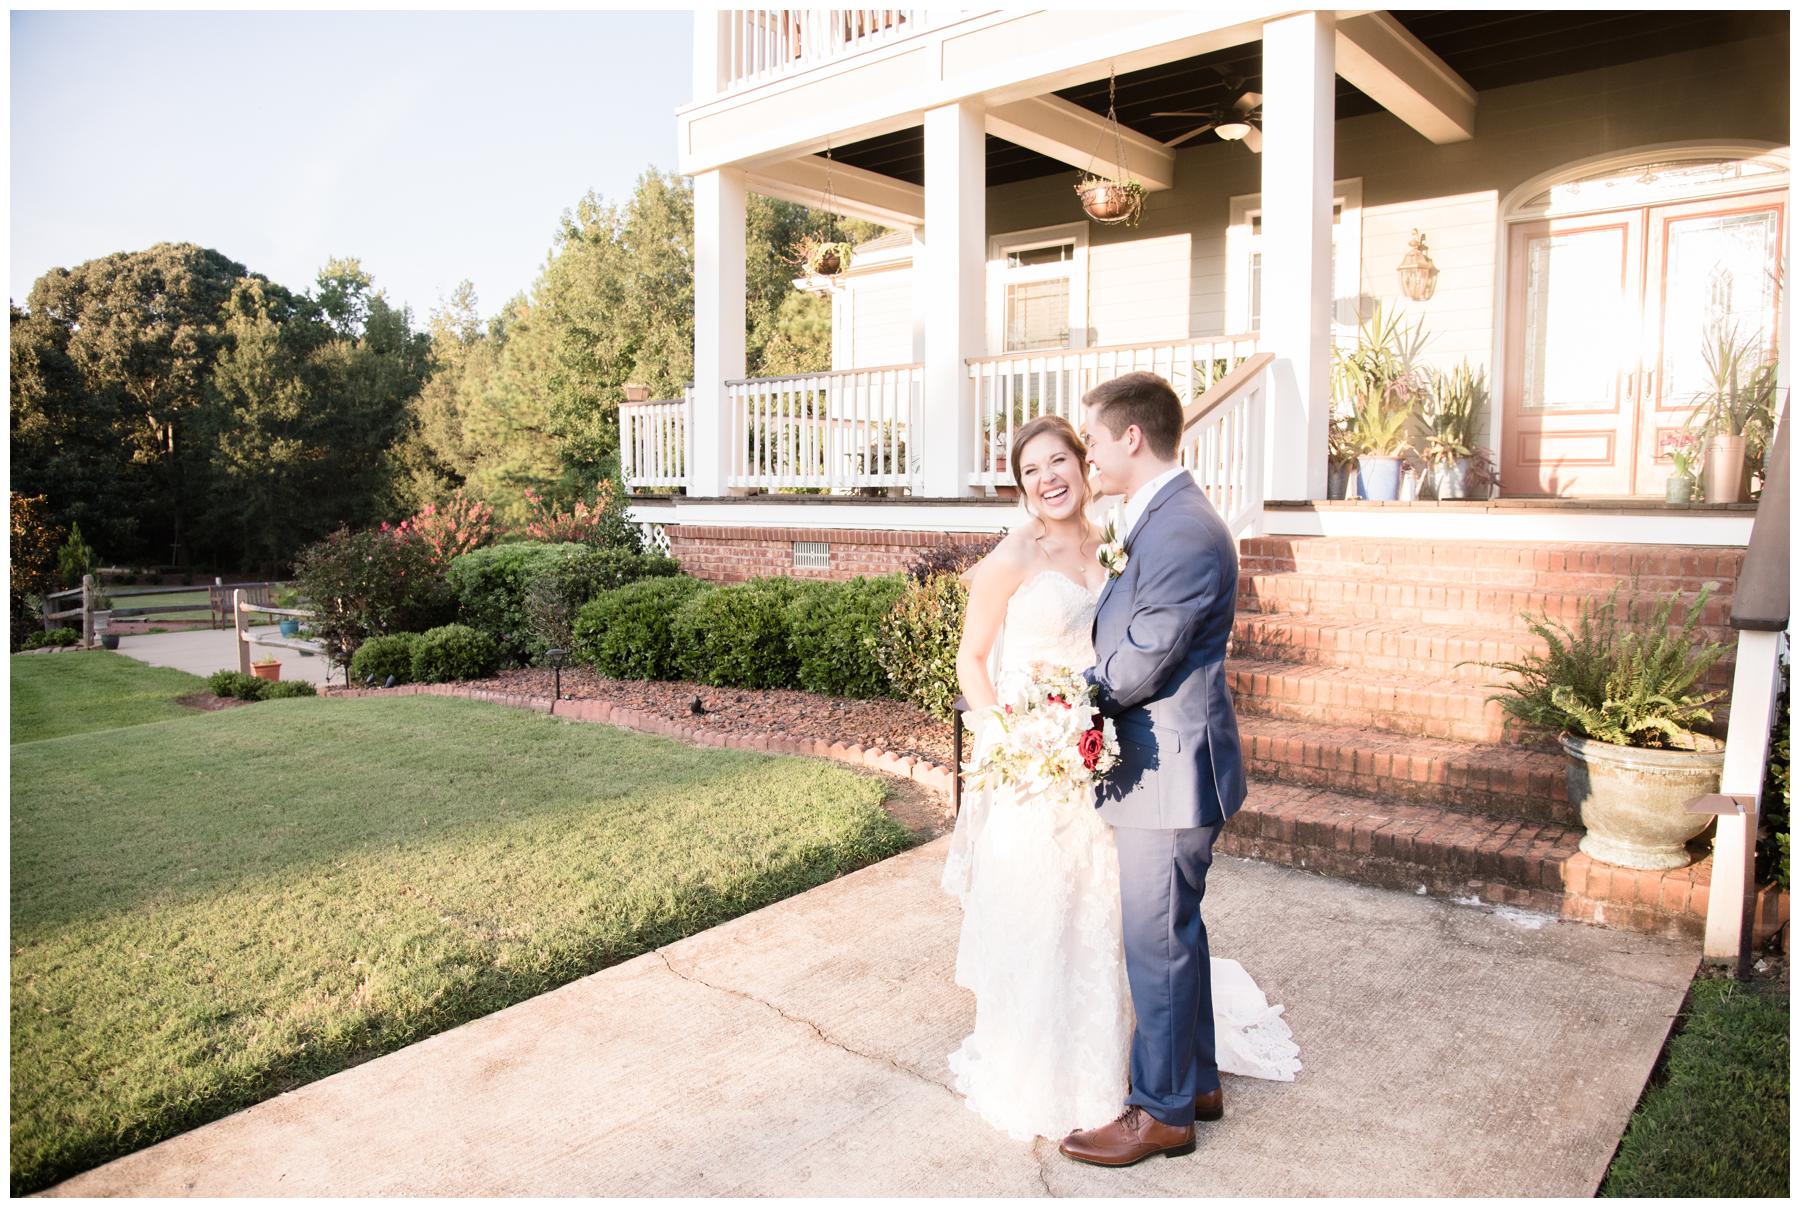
[1112, 549]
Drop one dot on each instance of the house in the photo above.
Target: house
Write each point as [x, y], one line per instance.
[1567, 202]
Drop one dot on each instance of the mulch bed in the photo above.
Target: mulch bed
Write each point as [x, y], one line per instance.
[889, 724]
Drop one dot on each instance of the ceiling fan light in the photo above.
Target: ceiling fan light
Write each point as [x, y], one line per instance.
[1232, 129]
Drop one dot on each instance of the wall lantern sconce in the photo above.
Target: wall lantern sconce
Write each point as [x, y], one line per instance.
[1418, 275]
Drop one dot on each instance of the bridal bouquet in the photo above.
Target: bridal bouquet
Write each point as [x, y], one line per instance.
[1045, 732]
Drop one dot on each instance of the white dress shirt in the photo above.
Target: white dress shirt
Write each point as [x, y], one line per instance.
[1134, 510]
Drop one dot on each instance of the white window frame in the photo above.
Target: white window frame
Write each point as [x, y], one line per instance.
[1243, 243]
[999, 276]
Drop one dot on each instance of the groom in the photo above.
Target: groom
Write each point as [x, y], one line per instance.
[1159, 651]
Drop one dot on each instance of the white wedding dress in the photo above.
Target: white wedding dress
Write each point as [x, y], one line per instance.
[1042, 943]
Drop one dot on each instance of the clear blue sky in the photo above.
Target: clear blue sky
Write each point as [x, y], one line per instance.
[432, 146]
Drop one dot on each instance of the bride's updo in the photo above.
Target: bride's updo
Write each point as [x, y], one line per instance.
[1070, 438]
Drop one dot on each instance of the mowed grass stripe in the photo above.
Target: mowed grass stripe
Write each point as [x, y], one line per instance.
[54, 695]
[211, 911]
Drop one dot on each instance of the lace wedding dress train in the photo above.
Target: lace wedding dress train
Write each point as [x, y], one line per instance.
[1042, 942]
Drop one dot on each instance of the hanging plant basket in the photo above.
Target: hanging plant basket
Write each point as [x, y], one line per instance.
[821, 258]
[1111, 201]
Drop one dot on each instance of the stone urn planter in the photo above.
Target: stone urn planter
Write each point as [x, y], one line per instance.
[1633, 800]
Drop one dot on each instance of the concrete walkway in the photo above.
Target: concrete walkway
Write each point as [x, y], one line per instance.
[204, 651]
[1449, 1050]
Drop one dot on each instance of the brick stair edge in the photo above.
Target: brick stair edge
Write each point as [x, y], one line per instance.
[1571, 886]
[934, 776]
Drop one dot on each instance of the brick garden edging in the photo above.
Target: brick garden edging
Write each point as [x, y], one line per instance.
[932, 775]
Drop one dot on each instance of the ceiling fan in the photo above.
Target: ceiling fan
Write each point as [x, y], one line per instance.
[1240, 121]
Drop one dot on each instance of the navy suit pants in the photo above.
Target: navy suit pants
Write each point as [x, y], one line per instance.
[1162, 878]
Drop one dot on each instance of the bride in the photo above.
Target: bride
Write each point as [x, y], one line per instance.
[1042, 942]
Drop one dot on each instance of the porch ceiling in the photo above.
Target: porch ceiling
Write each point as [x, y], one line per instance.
[1489, 49]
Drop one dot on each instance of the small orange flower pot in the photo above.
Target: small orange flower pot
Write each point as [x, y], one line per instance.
[269, 671]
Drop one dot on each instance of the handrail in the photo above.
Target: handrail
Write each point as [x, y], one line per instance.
[1221, 391]
[1094, 348]
[1760, 600]
[823, 373]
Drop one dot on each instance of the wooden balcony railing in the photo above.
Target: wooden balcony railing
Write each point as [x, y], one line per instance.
[653, 442]
[763, 44]
[1014, 387]
[850, 429]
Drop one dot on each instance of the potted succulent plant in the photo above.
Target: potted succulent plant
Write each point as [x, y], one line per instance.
[1340, 457]
[1375, 382]
[1622, 698]
[1453, 403]
[1736, 408]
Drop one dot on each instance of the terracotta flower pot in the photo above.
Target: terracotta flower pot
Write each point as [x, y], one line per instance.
[267, 671]
[1724, 469]
[1633, 801]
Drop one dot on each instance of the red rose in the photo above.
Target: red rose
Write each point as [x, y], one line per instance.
[1056, 699]
[1091, 745]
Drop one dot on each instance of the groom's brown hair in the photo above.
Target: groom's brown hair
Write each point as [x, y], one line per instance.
[1143, 399]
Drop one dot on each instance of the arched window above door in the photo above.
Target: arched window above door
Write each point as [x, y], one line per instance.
[1648, 176]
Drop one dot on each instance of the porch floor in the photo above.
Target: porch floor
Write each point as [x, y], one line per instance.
[1449, 1050]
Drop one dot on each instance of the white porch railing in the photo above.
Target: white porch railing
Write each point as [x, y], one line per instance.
[1015, 387]
[653, 442]
[1222, 443]
[762, 44]
[849, 429]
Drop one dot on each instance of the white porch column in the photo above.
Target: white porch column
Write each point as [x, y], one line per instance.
[1297, 164]
[950, 284]
[718, 323]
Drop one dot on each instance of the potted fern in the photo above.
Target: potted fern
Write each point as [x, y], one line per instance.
[1622, 698]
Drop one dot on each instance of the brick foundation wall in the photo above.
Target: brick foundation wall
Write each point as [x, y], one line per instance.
[720, 554]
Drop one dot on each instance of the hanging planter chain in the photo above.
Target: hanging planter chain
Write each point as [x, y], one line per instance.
[1117, 198]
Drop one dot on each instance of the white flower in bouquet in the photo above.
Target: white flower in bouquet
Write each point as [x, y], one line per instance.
[1043, 733]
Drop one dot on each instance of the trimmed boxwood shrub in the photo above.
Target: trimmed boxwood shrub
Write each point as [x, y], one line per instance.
[453, 652]
[390, 654]
[237, 684]
[918, 642]
[628, 633]
[737, 636]
[284, 689]
[556, 596]
[835, 632]
[62, 635]
[490, 586]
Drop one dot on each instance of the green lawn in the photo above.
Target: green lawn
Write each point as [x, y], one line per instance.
[1715, 1119]
[211, 909]
[75, 693]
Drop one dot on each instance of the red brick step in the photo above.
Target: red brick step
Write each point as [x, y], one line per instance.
[1386, 701]
[1505, 781]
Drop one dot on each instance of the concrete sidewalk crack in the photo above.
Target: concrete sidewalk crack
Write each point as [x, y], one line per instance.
[1037, 1157]
[833, 1041]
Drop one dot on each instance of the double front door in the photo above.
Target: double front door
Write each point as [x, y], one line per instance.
[1608, 316]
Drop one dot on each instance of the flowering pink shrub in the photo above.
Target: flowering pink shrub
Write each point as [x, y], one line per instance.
[461, 525]
[603, 523]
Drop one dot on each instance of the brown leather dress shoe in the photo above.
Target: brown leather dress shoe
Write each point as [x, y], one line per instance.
[1134, 1136]
[1210, 1106]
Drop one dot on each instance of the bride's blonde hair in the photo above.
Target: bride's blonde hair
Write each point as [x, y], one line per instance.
[1071, 440]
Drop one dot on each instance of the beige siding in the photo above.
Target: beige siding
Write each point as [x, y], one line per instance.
[1168, 277]
[881, 320]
